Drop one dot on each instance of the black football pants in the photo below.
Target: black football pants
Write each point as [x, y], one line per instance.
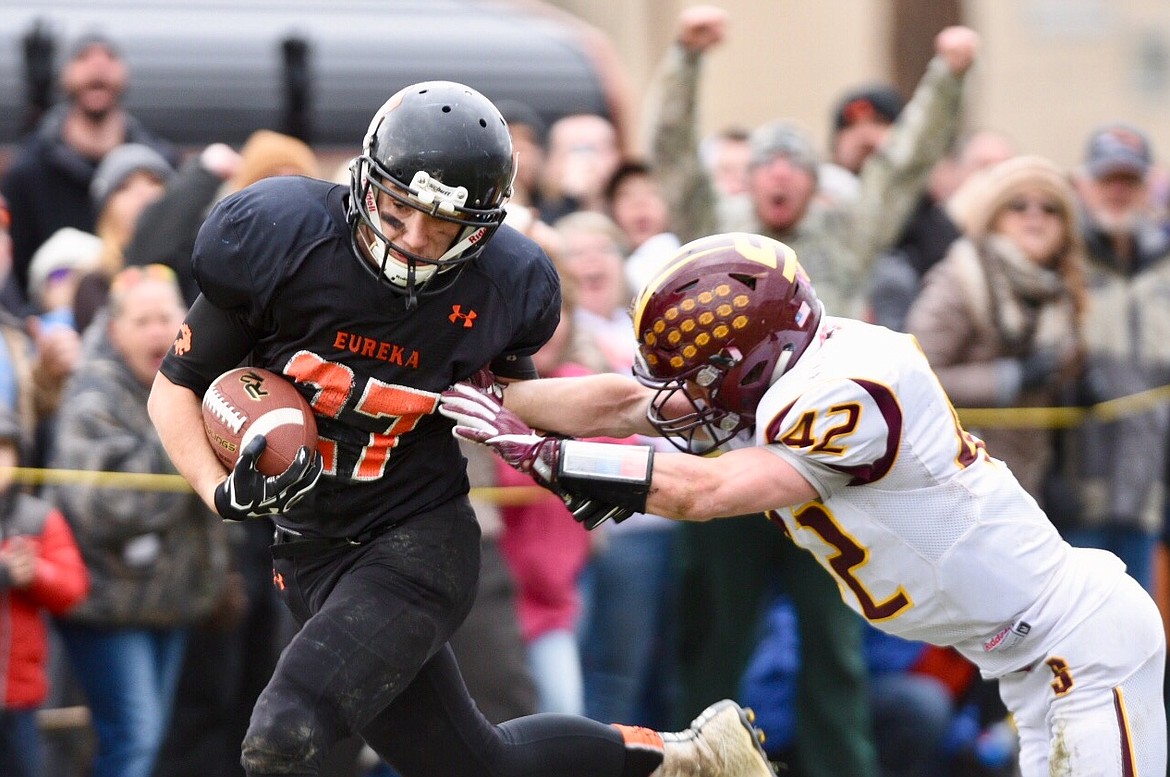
[371, 657]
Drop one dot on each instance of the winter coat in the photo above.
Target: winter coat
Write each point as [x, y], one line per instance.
[47, 186]
[157, 558]
[974, 318]
[1118, 465]
[60, 583]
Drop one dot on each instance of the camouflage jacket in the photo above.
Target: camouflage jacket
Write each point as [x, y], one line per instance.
[156, 558]
[836, 241]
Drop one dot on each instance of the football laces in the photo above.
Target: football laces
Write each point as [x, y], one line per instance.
[223, 410]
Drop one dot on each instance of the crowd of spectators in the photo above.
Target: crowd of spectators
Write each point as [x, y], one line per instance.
[1029, 286]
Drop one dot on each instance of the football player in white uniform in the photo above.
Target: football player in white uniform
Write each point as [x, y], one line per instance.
[860, 458]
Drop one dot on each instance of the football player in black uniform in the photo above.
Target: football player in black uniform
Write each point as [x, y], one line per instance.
[373, 299]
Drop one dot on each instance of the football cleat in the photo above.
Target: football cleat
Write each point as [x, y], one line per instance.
[721, 742]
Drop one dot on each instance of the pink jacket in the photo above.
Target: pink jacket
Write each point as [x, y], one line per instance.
[546, 550]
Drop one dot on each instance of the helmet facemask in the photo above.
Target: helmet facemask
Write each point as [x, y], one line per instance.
[725, 319]
[442, 149]
[727, 381]
[705, 427]
[400, 267]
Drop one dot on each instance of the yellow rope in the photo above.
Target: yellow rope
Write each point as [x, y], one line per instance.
[142, 481]
[512, 496]
[1063, 417]
[504, 496]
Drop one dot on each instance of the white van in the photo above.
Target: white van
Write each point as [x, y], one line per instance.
[216, 70]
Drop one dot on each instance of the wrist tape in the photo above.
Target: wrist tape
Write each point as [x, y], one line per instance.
[617, 475]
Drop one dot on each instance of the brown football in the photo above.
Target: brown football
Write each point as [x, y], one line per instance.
[248, 401]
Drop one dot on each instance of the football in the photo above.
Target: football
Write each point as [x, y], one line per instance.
[247, 401]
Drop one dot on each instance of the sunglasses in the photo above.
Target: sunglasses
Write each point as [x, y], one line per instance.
[131, 276]
[1023, 205]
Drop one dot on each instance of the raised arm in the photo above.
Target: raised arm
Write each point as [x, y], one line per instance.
[895, 176]
[673, 122]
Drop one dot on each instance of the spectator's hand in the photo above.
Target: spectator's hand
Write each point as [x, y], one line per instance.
[957, 46]
[221, 160]
[58, 348]
[701, 27]
[20, 558]
[1039, 368]
[249, 493]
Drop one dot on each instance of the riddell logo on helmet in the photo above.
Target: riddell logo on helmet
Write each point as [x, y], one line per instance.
[429, 190]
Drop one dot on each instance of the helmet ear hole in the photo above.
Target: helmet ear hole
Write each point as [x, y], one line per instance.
[746, 280]
[753, 375]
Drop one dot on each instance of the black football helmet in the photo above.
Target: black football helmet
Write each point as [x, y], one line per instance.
[720, 322]
[441, 148]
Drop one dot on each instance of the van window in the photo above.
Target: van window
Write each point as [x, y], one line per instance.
[214, 70]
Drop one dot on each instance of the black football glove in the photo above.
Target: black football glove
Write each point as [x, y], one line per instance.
[592, 513]
[249, 493]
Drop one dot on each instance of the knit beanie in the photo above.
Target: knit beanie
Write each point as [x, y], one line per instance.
[782, 138]
[975, 205]
[119, 164]
[267, 153]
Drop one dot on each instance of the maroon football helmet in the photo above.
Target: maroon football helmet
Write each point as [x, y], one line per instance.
[721, 320]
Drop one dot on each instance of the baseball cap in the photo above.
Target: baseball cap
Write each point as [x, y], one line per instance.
[781, 138]
[121, 163]
[1117, 148]
[877, 101]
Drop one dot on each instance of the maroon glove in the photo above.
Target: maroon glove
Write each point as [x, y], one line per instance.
[480, 418]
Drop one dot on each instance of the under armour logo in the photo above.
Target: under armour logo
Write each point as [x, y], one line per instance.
[458, 315]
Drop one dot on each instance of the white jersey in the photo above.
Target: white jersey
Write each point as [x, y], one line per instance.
[941, 544]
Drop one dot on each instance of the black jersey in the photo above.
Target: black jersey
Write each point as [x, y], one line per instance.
[278, 273]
